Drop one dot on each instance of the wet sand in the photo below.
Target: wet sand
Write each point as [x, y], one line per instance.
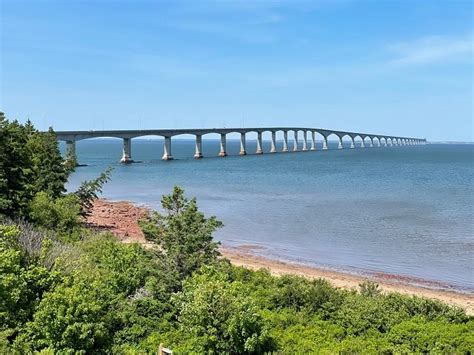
[121, 218]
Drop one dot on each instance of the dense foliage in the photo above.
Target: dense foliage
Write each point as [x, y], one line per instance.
[30, 162]
[94, 294]
[102, 295]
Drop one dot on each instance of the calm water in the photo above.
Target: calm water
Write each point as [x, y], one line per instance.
[400, 210]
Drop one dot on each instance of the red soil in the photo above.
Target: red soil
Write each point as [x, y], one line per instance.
[119, 218]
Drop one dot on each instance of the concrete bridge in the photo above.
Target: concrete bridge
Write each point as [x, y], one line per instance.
[368, 140]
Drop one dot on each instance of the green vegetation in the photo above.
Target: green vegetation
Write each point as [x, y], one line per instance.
[30, 162]
[66, 289]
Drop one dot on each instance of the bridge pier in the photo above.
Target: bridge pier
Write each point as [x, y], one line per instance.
[295, 141]
[305, 141]
[259, 143]
[313, 140]
[352, 142]
[71, 157]
[371, 142]
[223, 146]
[340, 146]
[198, 151]
[325, 143]
[167, 149]
[127, 151]
[362, 145]
[273, 147]
[243, 147]
[285, 142]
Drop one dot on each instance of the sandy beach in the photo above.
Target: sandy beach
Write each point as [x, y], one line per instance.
[121, 218]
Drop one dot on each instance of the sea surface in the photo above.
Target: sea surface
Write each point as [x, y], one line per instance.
[404, 211]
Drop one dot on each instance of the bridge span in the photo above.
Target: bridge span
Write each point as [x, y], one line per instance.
[367, 139]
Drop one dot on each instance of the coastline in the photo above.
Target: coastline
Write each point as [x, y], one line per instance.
[121, 218]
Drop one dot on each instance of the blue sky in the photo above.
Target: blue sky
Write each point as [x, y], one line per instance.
[395, 67]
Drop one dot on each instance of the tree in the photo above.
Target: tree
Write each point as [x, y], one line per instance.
[89, 190]
[14, 172]
[49, 173]
[183, 233]
[30, 162]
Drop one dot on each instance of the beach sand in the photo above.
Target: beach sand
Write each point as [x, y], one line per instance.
[121, 218]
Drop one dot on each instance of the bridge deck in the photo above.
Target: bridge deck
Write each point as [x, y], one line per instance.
[79, 135]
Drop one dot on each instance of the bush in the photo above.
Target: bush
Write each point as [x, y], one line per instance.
[111, 294]
[61, 214]
[22, 284]
[215, 316]
[301, 294]
[418, 336]
[369, 289]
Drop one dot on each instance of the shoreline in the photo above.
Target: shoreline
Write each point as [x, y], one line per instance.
[344, 279]
[121, 218]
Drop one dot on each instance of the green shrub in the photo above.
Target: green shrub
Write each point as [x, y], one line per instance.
[22, 284]
[215, 316]
[61, 214]
[419, 336]
[369, 289]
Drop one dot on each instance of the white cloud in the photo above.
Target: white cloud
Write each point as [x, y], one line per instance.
[432, 49]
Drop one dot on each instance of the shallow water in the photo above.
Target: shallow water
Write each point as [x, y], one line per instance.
[401, 210]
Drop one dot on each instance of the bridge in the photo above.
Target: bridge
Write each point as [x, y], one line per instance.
[368, 140]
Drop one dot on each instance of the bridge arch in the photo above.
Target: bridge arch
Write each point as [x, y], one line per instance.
[368, 142]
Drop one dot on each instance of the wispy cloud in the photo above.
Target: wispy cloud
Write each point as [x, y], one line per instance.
[432, 49]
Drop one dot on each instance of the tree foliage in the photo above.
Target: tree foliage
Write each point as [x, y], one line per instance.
[216, 317]
[30, 162]
[61, 214]
[89, 190]
[183, 233]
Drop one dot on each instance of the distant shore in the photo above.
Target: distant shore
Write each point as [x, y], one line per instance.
[121, 218]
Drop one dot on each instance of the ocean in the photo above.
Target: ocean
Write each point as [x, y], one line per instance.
[404, 211]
